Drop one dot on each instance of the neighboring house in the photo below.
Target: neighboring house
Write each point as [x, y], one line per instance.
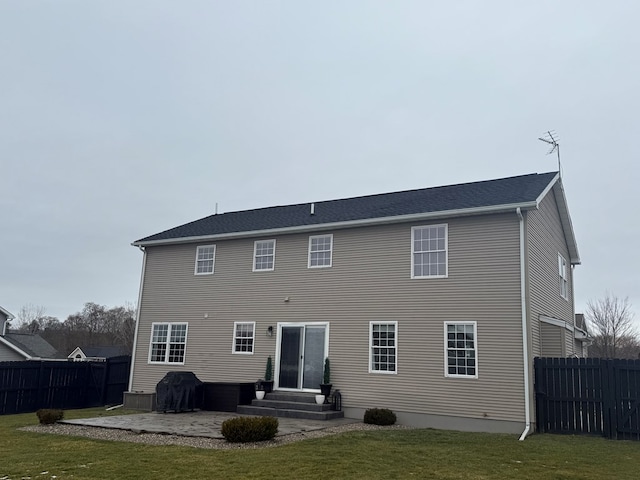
[581, 333]
[99, 354]
[430, 302]
[16, 346]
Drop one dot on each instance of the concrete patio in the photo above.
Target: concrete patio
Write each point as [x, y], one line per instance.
[197, 424]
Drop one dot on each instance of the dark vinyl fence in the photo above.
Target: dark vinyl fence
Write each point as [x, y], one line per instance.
[590, 396]
[30, 385]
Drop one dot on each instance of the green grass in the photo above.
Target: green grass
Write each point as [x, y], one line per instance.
[384, 454]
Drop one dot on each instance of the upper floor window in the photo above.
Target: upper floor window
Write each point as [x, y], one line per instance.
[429, 251]
[320, 248]
[563, 277]
[205, 259]
[460, 349]
[168, 343]
[382, 344]
[264, 255]
[243, 337]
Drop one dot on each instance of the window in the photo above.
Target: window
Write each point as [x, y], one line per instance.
[460, 350]
[562, 274]
[429, 251]
[243, 337]
[383, 347]
[320, 248]
[264, 255]
[205, 259]
[168, 343]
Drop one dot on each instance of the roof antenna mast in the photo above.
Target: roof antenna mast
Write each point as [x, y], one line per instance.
[551, 137]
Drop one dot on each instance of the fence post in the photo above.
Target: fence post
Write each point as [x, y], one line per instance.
[105, 378]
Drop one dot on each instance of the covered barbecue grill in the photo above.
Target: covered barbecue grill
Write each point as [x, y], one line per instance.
[178, 391]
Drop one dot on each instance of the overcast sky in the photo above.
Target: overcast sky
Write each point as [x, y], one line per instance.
[120, 119]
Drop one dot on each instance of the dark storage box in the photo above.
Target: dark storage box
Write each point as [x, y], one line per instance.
[226, 396]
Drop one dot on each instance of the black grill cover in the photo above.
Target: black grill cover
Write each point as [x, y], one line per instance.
[178, 391]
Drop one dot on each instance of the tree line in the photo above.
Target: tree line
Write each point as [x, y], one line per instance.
[610, 323]
[94, 326]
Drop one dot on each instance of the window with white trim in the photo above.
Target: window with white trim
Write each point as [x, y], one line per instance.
[563, 277]
[383, 347]
[168, 343]
[460, 347]
[429, 251]
[243, 337]
[264, 255]
[320, 251]
[205, 259]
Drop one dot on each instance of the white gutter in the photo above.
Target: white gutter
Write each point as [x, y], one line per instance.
[462, 212]
[525, 339]
[135, 337]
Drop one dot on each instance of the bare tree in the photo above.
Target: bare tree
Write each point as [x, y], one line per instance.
[610, 322]
[28, 318]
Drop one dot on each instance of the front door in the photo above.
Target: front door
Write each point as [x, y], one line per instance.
[302, 348]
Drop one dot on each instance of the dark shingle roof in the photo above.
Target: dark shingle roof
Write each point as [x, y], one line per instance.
[503, 191]
[105, 352]
[31, 344]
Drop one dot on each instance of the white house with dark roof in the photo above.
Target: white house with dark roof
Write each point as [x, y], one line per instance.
[17, 346]
[430, 302]
[97, 353]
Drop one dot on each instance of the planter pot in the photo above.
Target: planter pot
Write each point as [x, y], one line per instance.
[267, 385]
[325, 389]
[260, 394]
[319, 399]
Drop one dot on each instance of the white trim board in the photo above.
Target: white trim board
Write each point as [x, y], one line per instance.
[557, 322]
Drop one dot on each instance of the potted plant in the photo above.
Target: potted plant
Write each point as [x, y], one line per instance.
[268, 376]
[320, 399]
[325, 386]
[260, 389]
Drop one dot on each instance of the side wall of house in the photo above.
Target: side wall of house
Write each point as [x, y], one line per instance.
[545, 240]
[9, 355]
[370, 280]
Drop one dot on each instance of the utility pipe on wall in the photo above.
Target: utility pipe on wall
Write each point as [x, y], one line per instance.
[525, 338]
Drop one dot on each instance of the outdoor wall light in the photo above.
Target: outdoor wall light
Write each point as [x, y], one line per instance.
[269, 331]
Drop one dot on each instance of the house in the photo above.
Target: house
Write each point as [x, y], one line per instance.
[17, 346]
[430, 302]
[97, 354]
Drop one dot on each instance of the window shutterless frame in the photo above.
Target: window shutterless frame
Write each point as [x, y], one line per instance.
[461, 349]
[383, 347]
[205, 260]
[430, 251]
[563, 277]
[264, 255]
[244, 335]
[320, 251]
[168, 343]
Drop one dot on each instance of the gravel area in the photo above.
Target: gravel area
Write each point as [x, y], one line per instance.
[196, 442]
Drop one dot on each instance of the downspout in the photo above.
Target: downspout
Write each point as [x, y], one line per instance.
[135, 337]
[525, 338]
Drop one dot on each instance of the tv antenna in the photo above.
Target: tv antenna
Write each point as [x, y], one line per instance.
[551, 137]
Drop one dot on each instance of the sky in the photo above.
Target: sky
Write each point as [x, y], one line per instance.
[121, 119]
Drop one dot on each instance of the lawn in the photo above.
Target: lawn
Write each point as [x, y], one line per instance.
[376, 454]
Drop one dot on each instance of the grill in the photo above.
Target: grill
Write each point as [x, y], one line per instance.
[178, 391]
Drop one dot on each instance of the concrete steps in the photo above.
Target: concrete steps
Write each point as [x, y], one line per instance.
[290, 405]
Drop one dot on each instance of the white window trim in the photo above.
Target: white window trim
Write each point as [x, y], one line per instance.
[255, 248]
[562, 265]
[253, 337]
[213, 267]
[446, 349]
[446, 250]
[171, 324]
[382, 322]
[330, 235]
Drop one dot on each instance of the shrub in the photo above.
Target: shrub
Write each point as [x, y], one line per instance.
[48, 416]
[249, 429]
[326, 374]
[380, 416]
[268, 372]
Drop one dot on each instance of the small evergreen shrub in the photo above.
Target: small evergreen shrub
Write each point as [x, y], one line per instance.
[48, 416]
[249, 429]
[268, 372]
[379, 416]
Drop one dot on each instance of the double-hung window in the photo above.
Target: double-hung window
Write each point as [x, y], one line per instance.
[320, 249]
[383, 347]
[243, 337]
[205, 259]
[429, 251]
[168, 343]
[264, 255]
[460, 346]
[563, 277]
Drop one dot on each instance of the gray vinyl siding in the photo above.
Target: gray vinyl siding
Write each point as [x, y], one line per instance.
[9, 355]
[552, 337]
[370, 280]
[545, 239]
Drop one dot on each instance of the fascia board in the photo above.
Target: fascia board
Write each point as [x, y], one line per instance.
[8, 314]
[347, 224]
